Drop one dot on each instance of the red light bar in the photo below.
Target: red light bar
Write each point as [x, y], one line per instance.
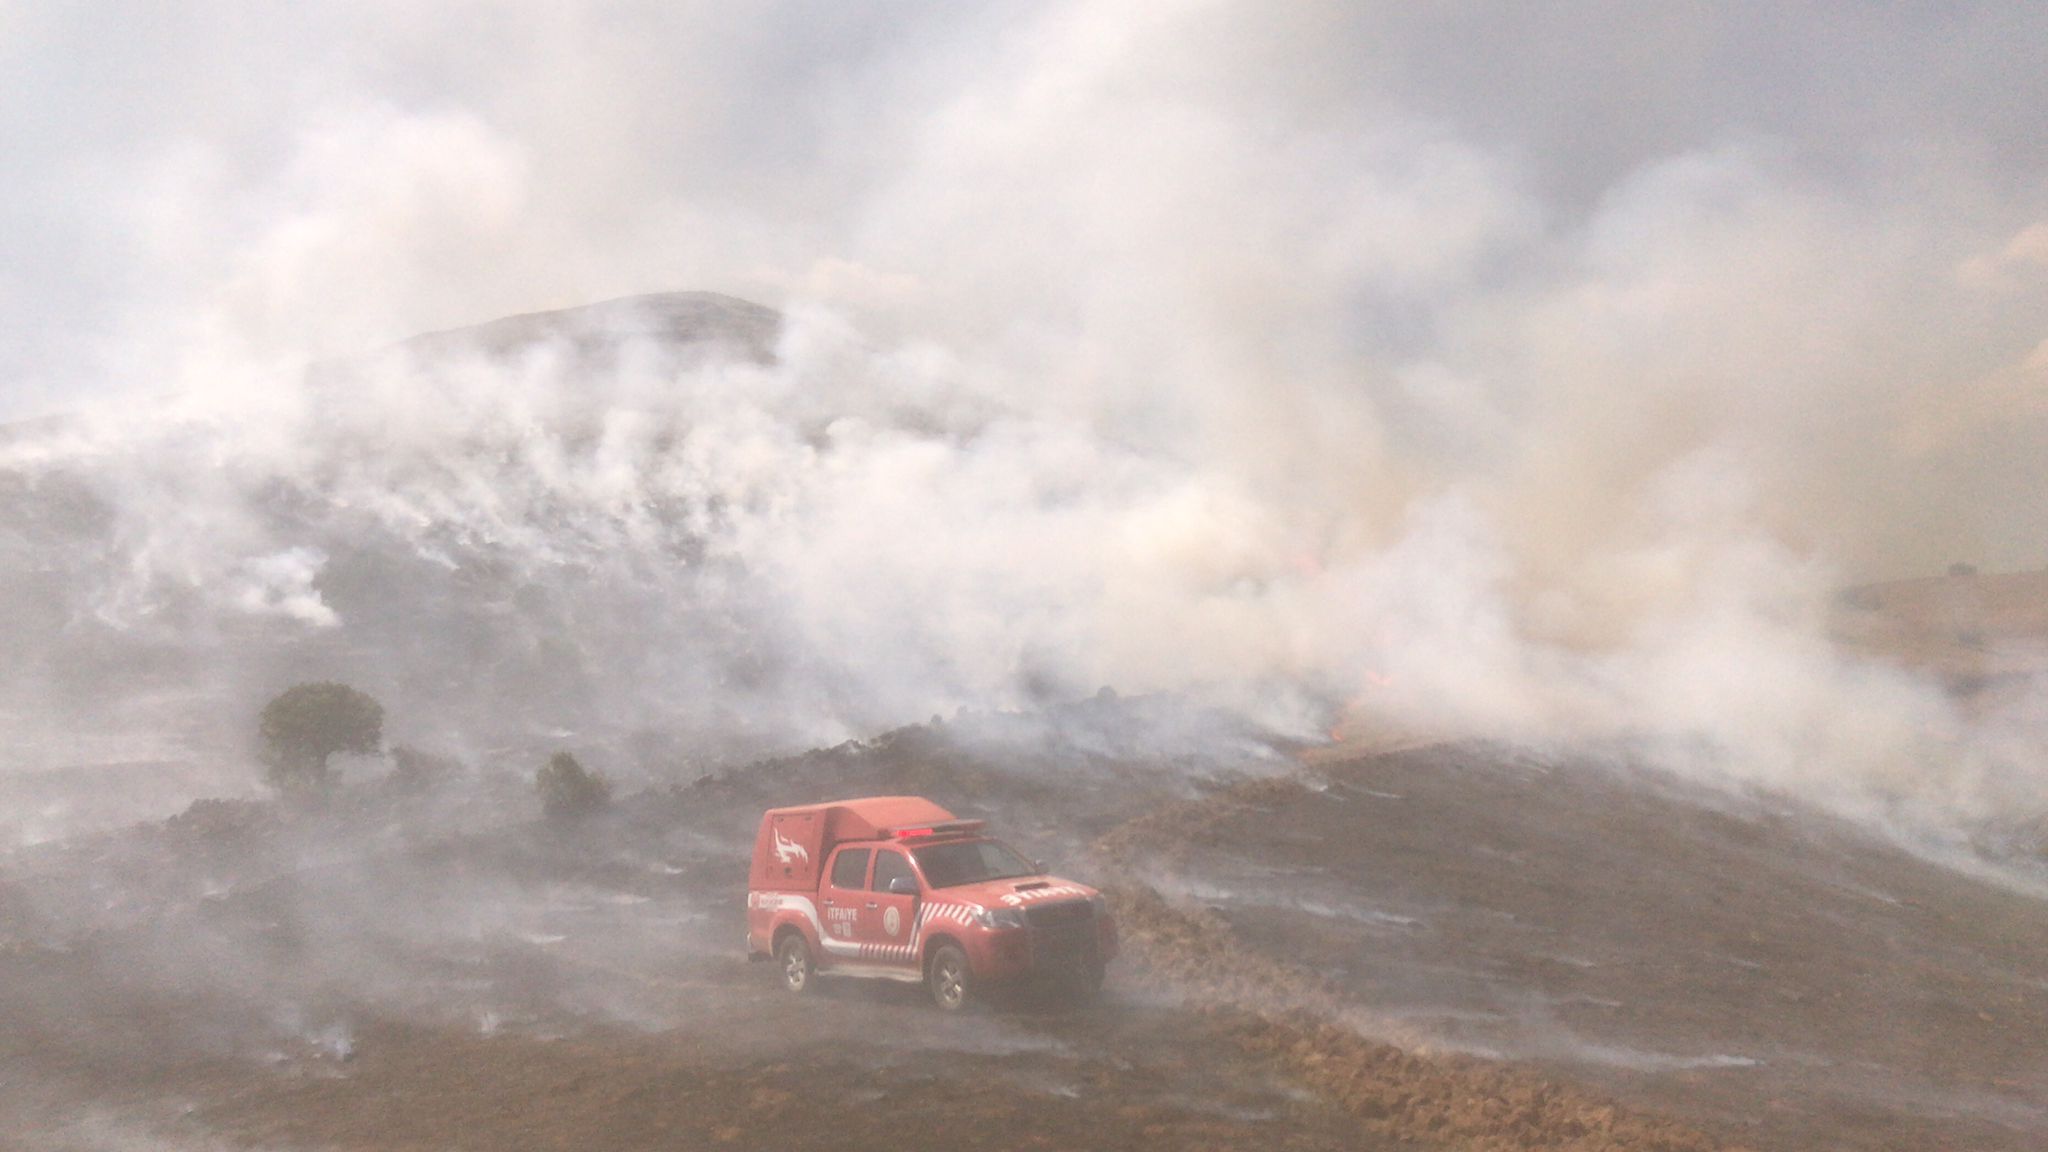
[907, 833]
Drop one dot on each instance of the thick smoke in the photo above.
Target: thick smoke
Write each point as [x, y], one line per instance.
[1543, 382]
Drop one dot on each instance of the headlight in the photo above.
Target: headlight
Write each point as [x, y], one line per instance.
[1000, 917]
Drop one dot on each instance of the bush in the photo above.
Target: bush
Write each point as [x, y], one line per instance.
[307, 724]
[567, 788]
[413, 770]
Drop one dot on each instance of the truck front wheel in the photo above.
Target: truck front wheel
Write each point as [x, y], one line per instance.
[795, 958]
[949, 978]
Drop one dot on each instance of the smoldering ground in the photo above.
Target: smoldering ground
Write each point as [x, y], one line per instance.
[288, 941]
[424, 891]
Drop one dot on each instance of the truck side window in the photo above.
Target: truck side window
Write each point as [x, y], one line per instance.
[889, 866]
[849, 868]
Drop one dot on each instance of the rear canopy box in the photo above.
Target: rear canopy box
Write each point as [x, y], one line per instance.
[793, 842]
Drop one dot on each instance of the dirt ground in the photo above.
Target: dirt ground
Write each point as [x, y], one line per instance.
[859, 1068]
[1753, 969]
[1448, 947]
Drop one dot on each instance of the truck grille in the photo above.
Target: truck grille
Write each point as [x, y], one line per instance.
[1062, 934]
[1053, 915]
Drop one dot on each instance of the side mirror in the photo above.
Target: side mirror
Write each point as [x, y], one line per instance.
[1040, 865]
[903, 886]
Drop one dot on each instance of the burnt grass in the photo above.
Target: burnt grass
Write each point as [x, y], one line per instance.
[453, 971]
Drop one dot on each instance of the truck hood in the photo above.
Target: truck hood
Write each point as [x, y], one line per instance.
[1016, 892]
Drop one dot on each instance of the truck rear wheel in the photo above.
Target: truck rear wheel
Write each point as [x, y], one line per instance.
[795, 958]
[949, 979]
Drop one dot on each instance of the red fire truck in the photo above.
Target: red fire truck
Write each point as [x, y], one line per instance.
[895, 887]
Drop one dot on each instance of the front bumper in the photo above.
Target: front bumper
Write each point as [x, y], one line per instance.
[1056, 939]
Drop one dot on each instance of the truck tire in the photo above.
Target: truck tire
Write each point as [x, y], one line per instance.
[793, 956]
[949, 979]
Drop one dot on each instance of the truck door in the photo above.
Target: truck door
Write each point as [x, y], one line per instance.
[889, 919]
[842, 899]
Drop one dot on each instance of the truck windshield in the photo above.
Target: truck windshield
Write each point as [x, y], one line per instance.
[970, 862]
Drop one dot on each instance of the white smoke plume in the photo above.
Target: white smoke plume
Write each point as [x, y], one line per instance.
[1535, 380]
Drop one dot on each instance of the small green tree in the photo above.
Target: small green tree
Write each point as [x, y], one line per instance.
[307, 724]
[568, 789]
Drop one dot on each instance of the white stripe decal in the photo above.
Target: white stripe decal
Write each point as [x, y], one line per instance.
[938, 910]
[931, 911]
[775, 901]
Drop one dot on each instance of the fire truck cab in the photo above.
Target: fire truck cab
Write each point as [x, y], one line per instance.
[897, 888]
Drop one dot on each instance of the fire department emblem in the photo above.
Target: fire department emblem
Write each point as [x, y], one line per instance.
[892, 921]
[787, 849]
